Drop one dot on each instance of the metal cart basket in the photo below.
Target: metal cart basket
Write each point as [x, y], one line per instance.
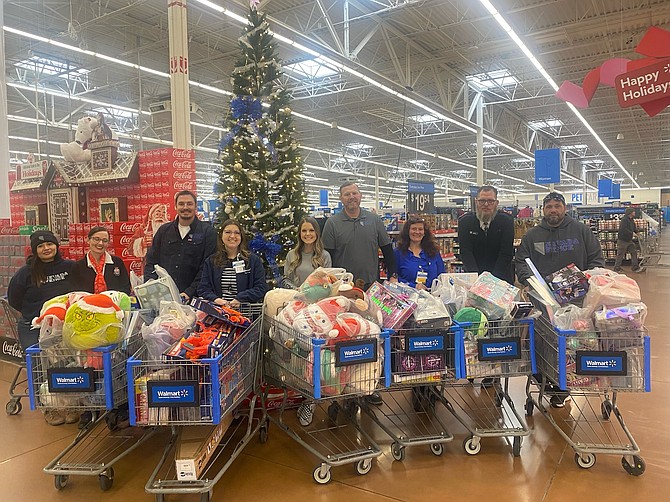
[325, 373]
[95, 381]
[183, 392]
[421, 358]
[594, 367]
[496, 351]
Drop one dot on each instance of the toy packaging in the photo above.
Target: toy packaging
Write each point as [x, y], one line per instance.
[195, 447]
[492, 296]
[395, 311]
[568, 284]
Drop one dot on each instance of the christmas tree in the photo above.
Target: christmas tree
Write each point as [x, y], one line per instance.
[261, 182]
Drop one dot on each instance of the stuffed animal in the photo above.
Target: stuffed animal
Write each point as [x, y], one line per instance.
[120, 298]
[348, 326]
[276, 299]
[361, 304]
[92, 321]
[288, 314]
[318, 319]
[77, 150]
[318, 285]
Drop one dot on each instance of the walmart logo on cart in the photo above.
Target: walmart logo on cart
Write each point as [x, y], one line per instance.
[594, 364]
[74, 380]
[173, 394]
[363, 351]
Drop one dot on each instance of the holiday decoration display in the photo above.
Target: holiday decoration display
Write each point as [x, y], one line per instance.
[261, 183]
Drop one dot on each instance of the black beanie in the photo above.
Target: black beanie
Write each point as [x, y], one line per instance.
[41, 236]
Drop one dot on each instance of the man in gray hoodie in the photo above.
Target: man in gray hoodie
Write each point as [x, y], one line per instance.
[557, 242]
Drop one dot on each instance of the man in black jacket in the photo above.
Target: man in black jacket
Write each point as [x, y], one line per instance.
[625, 244]
[486, 237]
[182, 246]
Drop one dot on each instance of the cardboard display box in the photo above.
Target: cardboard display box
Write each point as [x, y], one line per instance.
[196, 446]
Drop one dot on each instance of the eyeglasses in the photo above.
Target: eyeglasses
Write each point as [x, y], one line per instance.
[231, 232]
[98, 240]
[484, 202]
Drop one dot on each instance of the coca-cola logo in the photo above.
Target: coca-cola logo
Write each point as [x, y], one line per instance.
[12, 349]
[136, 266]
[127, 254]
[183, 185]
[9, 230]
[183, 175]
[180, 153]
[182, 164]
[128, 227]
[124, 240]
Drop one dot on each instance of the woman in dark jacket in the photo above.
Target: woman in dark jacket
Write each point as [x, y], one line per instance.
[232, 275]
[99, 271]
[45, 276]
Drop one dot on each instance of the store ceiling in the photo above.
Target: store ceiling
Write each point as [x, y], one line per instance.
[427, 50]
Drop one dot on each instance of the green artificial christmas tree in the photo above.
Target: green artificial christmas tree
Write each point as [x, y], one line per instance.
[261, 182]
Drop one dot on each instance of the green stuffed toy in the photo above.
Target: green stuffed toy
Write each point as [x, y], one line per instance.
[93, 321]
[120, 298]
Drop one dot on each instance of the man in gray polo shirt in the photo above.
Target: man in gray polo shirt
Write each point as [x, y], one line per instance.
[354, 236]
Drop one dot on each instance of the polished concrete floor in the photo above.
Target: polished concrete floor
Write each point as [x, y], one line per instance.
[282, 470]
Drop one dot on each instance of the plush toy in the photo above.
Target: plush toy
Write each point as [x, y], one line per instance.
[77, 150]
[332, 378]
[92, 321]
[318, 285]
[120, 298]
[360, 303]
[276, 299]
[478, 322]
[52, 315]
[348, 326]
[288, 314]
[317, 319]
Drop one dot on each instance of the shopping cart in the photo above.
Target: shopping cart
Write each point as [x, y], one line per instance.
[180, 393]
[594, 366]
[13, 353]
[421, 358]
[325, 374]
[498, 352]
[94, 381]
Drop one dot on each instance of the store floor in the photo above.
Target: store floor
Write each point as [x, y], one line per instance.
[282, 470]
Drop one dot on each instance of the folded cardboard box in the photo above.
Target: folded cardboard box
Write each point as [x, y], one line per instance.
[196, 446]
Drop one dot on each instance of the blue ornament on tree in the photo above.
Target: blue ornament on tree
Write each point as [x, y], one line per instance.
[270, 249]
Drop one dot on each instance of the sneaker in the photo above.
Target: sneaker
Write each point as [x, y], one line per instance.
[306, 413]
[556, 402]
[618, 269]
[85, 419]
[54, 417]
[639, 269]
[374, 398]
[71, 416]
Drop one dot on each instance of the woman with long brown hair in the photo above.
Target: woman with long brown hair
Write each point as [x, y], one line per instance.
[307, 255]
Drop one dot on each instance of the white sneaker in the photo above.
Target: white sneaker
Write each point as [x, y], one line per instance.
[306, 413]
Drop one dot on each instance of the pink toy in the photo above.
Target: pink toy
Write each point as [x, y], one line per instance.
[288, 314]
[317, 319]
[350, 325]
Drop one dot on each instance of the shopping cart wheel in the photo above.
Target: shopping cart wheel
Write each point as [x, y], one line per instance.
[516, 446]
[398, 452]
[60, 481]
[606, 409]
[586, 460]
[364, 466]
[529, 407]
[263, 433]
[322, 474]
[637, 468]
[14, 406]
[472, 445]
[106, 479]
[436, 449]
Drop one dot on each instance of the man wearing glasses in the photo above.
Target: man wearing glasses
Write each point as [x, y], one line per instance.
[486, 237]
[555, 243]
[181, 246]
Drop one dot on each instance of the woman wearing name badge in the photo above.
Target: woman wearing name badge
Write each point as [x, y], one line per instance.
[45, 275]
[100, 271]
[232, 275]
[417, 256]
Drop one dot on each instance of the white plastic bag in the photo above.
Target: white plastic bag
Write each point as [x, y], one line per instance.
[151, 293]
[610, 289]
[573, 318]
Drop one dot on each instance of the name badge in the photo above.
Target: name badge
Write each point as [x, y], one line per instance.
[238, 266]
[421, 277]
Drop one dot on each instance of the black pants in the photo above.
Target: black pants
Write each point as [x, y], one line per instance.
[27, 335]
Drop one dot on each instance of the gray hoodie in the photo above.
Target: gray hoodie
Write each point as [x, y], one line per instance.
[552, 248]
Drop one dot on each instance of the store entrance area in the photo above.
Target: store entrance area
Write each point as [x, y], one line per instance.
[282, 470]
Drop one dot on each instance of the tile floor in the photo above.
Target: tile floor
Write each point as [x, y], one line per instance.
[281, 470]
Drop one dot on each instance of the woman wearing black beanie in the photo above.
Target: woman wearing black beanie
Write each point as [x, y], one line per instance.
[45, 275]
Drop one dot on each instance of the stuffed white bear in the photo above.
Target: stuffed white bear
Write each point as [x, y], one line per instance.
[77, 150]
[317, 320]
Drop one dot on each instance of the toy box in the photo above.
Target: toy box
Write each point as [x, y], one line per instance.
[568, 284]
[196, 446]
[395, 311]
